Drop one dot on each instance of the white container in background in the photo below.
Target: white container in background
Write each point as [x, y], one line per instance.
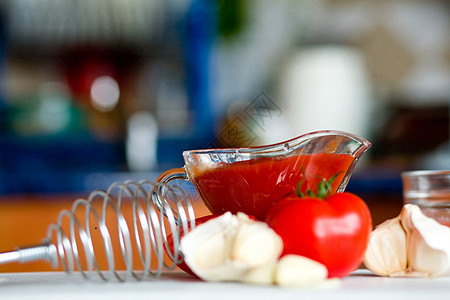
[142, 142]
[326, 87]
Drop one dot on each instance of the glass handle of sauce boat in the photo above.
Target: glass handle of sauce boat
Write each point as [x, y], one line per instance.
[172, 174]
[163, 180]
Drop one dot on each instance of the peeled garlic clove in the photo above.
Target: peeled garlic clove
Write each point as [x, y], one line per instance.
[428, 242]
[386, 252]
[295, 270]
[227, 247]
[260, 275]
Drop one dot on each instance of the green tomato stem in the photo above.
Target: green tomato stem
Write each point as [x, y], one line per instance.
[324, 187]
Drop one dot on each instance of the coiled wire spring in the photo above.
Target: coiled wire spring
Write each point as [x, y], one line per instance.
[128, 225]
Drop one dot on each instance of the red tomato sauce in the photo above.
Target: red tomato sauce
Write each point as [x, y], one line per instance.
[253, 186]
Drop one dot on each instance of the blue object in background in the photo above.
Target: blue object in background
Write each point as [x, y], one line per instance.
[2, 103]
[54, 164]
[200, 30]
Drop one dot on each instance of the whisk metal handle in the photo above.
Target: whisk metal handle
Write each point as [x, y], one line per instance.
[44, 251]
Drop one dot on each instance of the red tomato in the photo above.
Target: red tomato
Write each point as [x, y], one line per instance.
[333, 231]
[198, 221]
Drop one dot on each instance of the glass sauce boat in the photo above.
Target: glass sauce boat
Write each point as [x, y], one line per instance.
[251, 180]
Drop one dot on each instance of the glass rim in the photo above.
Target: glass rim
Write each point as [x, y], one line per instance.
[417, 173]
[273, 147]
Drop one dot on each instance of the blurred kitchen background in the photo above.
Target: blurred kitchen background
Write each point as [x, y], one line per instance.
[94, 92]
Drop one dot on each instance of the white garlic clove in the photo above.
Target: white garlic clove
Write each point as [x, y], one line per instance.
[428, 243]
[255, 244]
[215, 245]
[260, 275]
[205, 248]
[295, 270]
[386, 252]
[227, 247]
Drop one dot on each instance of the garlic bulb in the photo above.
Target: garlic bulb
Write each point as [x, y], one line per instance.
[428, 243]
[386, 252]
[227, 247]
[411, 244]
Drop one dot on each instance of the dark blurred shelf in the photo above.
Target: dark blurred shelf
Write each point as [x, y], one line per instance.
[376, 181]
[80, 163]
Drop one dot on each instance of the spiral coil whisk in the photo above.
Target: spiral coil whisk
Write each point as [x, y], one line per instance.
[128, 225]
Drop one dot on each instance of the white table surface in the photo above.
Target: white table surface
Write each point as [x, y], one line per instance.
[359, 285]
